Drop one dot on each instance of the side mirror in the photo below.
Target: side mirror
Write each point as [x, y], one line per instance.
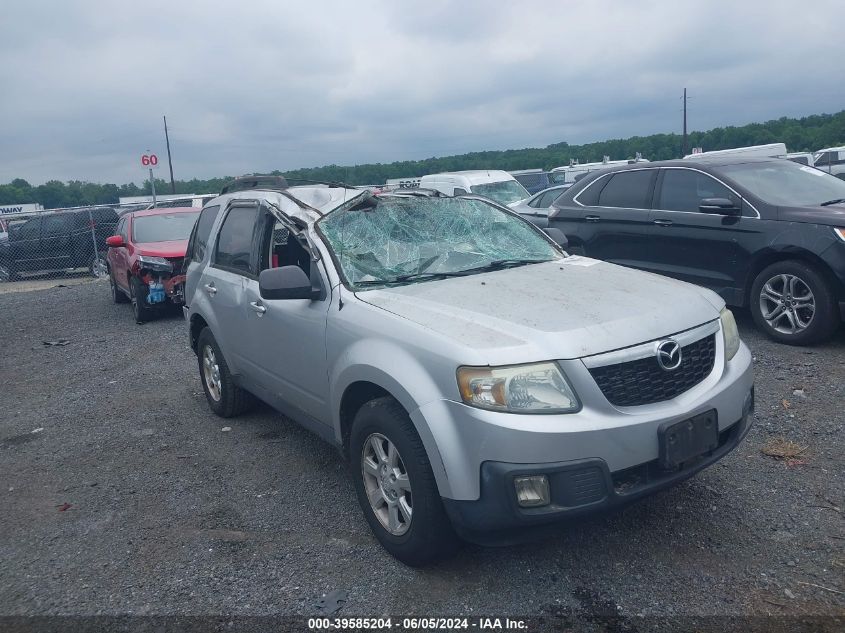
[115, 241]
[287, 282]
[718, 206]
[557, 237]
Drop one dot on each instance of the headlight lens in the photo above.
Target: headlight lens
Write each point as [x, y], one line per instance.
[730, 333]
[840, 233]
[538, 388]
[154, 263]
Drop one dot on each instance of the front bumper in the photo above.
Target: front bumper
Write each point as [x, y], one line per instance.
[173, 287]
[576, 488]
[460, 438]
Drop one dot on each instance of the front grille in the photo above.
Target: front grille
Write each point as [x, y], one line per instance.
[643, 381]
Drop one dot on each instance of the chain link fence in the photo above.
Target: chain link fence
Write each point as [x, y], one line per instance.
[55, 243]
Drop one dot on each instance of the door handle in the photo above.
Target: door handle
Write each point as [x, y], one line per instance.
[257, 307]
[592, 218]
[663, 222]
[210, 289]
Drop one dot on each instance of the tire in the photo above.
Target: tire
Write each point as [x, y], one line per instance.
[138, 296]
[225, 398]
[428, 536]
[117, 295]
[780, 298]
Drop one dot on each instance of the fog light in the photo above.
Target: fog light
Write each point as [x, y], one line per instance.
[532, 491]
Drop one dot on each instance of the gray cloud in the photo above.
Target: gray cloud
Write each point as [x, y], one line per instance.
[268, 85]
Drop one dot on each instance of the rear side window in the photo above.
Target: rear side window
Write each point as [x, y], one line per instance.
[198, 245]
[56, 225]
[235, 241]
[30, 230]
[628, 189]
[684, 189]
[590, 195]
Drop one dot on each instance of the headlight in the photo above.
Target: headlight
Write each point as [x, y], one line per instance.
[539, 388]
[840, 233]
[730, 333]
[154, 263]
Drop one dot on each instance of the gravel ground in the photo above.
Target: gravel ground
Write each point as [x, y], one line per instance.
[121, 494]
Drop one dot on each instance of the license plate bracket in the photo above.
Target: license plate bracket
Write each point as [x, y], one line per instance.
[681, 441]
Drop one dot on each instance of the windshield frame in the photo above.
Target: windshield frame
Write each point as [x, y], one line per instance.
[352, 287]
[195, 214]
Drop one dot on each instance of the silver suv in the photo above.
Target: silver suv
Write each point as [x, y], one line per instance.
[481, 383]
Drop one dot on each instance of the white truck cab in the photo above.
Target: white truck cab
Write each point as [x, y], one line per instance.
[497, 185]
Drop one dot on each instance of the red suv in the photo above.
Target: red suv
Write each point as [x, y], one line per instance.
[145, 259]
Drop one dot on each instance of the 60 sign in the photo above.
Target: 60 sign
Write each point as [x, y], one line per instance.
[149, 160]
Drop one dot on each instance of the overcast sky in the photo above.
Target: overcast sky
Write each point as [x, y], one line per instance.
[256, 86]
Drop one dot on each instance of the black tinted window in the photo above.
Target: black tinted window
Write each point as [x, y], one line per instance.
[29, 230]
[590, 195]
[684, 189]
[235, 240]
[628, 189]
[56, 225]
[550, 196]
[202, 230]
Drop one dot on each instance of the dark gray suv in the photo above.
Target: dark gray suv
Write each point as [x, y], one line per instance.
[768, 234]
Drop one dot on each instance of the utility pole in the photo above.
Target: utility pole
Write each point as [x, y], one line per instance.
[685, 148]
[170, 162]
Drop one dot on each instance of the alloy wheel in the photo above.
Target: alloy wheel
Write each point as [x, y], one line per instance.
[211, 373]
[386, 484]
[787, 304]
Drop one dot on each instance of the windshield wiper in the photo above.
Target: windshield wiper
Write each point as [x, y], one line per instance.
[834, 201]
[402, 279]
[499, 264]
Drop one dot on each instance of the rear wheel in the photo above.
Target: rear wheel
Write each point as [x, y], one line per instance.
[793, 303]
[396, 487]
[138, 297]
[224, 397]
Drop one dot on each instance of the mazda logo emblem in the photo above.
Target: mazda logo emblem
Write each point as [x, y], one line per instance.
[669, 354]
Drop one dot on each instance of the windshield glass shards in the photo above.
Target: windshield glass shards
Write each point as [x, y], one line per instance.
[406, 240]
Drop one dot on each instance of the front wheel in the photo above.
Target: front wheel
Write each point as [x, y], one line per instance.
[396, 487]
[138, 297]
[793, 303]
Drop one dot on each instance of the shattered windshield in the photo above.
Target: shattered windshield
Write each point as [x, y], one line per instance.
[403, 240]
[503, 192]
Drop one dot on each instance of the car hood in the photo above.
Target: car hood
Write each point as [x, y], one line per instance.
[171, 248]
[834, 215]
[564, 309]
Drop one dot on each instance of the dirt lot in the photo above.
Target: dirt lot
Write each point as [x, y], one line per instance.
[122, 493]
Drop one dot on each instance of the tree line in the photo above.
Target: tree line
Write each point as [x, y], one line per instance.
[800, 134]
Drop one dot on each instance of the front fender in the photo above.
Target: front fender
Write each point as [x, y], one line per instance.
[403, 376]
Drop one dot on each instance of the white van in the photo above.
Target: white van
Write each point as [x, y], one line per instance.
[568, 174]
[497, 185]
[770, 150]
